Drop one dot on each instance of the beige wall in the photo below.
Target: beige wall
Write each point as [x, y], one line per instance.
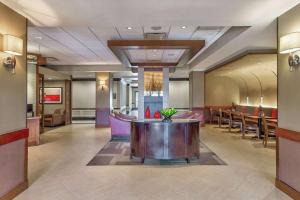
[103, 96]
[196, 89]
[221, 91]
[13, 98]
[84, 94]
[288, 82]
[13, 87]
[252, 76]
[289, 108]
[182, 88]
[50, 108]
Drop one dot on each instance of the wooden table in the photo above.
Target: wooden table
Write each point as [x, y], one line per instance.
[272, 122]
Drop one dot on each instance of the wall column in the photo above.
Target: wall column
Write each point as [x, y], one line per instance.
[103, 98]
[165, 87]
[197, 94]
[141, 108]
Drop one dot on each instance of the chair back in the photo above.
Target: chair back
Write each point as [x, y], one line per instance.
[264, 122]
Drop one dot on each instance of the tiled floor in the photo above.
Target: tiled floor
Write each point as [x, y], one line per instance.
[57, 170]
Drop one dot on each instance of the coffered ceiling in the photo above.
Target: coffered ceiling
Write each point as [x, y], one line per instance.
[75, 32]
[88, 45]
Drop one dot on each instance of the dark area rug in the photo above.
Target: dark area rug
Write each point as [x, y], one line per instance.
[118, 153]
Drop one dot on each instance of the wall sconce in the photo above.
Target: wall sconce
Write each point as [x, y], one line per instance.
[13, 46]
[289, 44]
[261, 100]
[102, 84]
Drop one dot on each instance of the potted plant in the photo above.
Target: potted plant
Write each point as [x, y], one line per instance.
[167, 114]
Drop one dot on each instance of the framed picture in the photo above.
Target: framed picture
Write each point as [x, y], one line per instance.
[52, 95]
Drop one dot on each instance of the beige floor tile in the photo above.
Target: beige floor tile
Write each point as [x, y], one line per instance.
[58, 171]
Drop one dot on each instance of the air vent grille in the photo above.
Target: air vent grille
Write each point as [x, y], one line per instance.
[155, 36]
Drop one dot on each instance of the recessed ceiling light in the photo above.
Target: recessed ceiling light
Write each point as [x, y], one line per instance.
[129, 28]
[183, 27]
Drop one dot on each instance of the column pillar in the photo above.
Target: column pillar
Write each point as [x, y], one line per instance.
[196, 87]
[141, 113]
[103, 98]
[165, 87]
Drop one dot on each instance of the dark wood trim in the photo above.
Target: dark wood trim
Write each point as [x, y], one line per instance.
[288, 134]
[287, 189]
[83, 79]
[16, 191]
[241, 55]
[116, 79]
[102, 126]
[179, 79]
[191, 47]
[83, 108]
[14, 136]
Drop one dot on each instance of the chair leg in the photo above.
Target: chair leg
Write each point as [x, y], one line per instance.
[243, 133]
[266, 139]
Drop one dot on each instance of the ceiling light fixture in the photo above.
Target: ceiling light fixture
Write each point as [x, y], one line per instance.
[129, 28]
[183, 27]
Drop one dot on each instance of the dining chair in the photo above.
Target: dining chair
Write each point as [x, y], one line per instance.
[213, 116]
[268, 132]
[234, 123]
[248, 127]
[222, 118]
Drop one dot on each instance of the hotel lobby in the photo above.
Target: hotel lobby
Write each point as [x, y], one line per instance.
[149, 100]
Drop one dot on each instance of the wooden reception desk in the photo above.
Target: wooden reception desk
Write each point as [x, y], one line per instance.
[155, 139]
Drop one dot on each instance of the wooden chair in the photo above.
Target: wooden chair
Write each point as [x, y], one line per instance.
[248, 127]
[213, 116]
[234, 123]
[222, 119]
[267, 131]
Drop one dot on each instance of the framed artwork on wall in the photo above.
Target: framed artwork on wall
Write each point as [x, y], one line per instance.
[52, 95]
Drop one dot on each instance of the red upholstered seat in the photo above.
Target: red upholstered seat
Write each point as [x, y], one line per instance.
[274, 113]
[243, 109]
[256, 111]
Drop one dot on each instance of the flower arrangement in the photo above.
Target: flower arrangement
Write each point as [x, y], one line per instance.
[167, 113]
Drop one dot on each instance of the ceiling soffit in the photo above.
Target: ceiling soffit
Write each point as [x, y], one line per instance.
[149, 53]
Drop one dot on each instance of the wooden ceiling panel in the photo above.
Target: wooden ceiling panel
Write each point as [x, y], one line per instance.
[189, 47]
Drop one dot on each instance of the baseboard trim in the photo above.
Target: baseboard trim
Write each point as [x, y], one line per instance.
[16, 191]
[287, 189]
[102, 126]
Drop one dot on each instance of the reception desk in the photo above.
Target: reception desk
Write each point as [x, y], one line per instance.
[155, 139]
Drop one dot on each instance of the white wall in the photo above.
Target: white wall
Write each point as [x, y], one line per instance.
[31, 85]
[179, 94]
[122, 94]
[83, 94]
